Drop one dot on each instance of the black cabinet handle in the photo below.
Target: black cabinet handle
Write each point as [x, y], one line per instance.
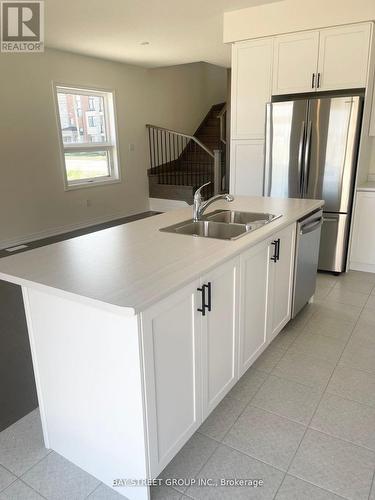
[318, 82]
[313, 81]
[209, 305]
[274, 257]
[276, 253]
[278, 249]
[203, 308]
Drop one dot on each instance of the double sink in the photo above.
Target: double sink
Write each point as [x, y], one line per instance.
[223, 224]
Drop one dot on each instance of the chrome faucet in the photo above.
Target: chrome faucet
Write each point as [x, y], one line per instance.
[200, 205]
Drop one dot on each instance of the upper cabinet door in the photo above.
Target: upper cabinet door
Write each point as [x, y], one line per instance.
[295, 63]
[343, 57]
[251, 87]
[219, 333]
[247, 167]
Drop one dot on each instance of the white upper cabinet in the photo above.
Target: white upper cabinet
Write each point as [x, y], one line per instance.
[247, 167]
[219, 333]
[329, 59]
[343, 57]
[251, 87]
[295, 62]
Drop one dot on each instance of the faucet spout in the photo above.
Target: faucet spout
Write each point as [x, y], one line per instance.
[200, 206]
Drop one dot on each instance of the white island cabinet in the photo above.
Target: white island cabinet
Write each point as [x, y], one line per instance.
[135, 346]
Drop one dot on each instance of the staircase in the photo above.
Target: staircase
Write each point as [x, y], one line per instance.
[180, 163]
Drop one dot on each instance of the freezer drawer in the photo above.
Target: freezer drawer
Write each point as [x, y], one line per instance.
[334, 242]
[307, 253]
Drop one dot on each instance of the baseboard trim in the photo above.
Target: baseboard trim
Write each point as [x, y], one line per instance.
[359, 266]
[65, 229]
[163, 205]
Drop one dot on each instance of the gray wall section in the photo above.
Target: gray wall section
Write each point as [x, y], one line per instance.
[17, 385]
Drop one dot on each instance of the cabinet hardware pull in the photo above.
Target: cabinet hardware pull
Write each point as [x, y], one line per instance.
[274, 257]
[209, 305]
[203, 308]
[318, 82]
[313, 81]
[278, 249]
[276, 254]
[206, 305]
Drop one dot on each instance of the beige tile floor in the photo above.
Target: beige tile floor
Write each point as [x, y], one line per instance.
[302, 419]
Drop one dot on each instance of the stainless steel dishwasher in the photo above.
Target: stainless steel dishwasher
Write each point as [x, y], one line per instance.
[306, 262]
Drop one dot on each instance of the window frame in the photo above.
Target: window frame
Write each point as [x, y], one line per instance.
[110, 146]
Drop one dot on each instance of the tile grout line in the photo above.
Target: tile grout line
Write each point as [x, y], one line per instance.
[9, 485]
[372, 486]
[221, 443]
[320, 400]
[93, 491]
[36, 463]
[96, 487]
[205, 463]
[268, 374]
[316, 486]
[33, 489]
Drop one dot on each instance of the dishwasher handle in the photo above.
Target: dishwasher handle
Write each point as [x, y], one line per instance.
[311, 226]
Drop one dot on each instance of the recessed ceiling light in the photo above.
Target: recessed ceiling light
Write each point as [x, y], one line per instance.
[145, 43]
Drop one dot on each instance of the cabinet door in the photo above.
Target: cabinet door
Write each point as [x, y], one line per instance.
[295, 62]
[363, 239]
[372, 118]
[343, 57]
[253, 304]
[251, 87]
[171, 343]
[247, 168]
[281, 280]
[219, 334]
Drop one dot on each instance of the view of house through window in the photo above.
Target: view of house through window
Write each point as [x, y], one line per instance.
[87, 127]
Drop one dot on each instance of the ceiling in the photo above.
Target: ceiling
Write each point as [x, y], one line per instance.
[178, 32]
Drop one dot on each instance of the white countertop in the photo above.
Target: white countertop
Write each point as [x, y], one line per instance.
[366, 186]
[127, 268]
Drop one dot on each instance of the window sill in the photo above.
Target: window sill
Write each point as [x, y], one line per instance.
[85, 185]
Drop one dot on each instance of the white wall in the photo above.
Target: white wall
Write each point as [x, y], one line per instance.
[33, 202]
[294, 15]
[181, 103]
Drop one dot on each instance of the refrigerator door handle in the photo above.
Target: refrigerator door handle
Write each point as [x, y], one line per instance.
[300, 156]
[306, 167]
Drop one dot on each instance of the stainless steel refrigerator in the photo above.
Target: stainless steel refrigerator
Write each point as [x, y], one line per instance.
[311, 152]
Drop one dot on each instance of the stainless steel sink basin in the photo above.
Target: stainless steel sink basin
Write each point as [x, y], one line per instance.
[255, 219]
[212, 229]
[222, 224]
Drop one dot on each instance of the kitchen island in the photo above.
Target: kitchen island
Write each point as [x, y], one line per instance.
[137, 334]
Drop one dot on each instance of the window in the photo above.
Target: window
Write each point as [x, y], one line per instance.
[88, 136]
